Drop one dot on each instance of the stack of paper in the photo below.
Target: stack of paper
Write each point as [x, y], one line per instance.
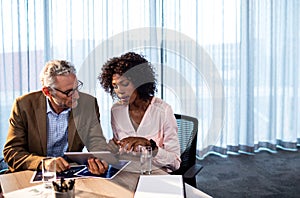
[167, 186]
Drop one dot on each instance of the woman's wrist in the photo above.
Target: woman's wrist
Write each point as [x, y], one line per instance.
[154, 147]
[153, 144]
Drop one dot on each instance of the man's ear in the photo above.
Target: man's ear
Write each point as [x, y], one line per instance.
[46, 91]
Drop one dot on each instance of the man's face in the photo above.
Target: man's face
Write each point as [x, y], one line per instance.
[58, 97]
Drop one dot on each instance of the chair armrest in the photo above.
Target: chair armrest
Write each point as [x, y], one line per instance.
[192, 171]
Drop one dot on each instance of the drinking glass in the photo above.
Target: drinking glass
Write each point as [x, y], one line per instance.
[48, 171]
[146, 160]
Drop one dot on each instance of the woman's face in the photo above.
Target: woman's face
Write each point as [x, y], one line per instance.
[124, 89]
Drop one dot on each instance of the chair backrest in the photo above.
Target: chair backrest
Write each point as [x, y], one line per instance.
[187, 134]
[3, 166]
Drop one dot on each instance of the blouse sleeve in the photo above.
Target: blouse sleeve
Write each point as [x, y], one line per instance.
[168, 154]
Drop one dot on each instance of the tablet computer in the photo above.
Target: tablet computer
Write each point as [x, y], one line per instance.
[82, 157]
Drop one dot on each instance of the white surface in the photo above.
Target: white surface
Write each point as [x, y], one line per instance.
[192, 192]
[34, 191]
[167, 186]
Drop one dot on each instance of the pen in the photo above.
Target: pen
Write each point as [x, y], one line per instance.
[56, 186]
[64, 185]
[71, 184]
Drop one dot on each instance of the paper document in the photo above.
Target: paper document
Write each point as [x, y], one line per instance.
[81, 171]
[33, 191]
[167, 186]
[112, 171]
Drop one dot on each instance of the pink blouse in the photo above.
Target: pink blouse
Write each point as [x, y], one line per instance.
[158, 124]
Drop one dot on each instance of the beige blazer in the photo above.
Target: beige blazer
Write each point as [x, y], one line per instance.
[26, 142]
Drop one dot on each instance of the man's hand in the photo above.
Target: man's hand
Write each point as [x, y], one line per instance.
[97, 166]
[61, 164]
[113, 146]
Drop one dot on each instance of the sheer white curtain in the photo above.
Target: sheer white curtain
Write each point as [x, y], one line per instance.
[251, 47]
[254, 46]
[21, 53]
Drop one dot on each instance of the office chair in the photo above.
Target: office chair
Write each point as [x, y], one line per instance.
[3, 166]
[187, 134]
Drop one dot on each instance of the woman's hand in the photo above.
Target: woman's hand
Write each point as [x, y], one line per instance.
[133, 143]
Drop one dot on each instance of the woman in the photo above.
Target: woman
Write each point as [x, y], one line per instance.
[139, 118]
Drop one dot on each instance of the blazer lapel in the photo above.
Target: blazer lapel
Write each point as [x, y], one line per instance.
[41, 117]
[71, 130]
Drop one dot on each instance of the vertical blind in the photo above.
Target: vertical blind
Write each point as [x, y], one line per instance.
[232, 64]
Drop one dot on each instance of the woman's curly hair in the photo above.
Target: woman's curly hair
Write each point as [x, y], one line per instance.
[135, 68]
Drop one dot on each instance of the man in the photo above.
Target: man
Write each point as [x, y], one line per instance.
[54, 120]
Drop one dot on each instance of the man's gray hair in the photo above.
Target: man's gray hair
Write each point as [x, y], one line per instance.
[55, 68]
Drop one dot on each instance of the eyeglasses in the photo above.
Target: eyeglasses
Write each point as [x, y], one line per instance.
[70, 92]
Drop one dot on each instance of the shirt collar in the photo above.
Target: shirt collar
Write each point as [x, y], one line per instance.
[49, 109]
